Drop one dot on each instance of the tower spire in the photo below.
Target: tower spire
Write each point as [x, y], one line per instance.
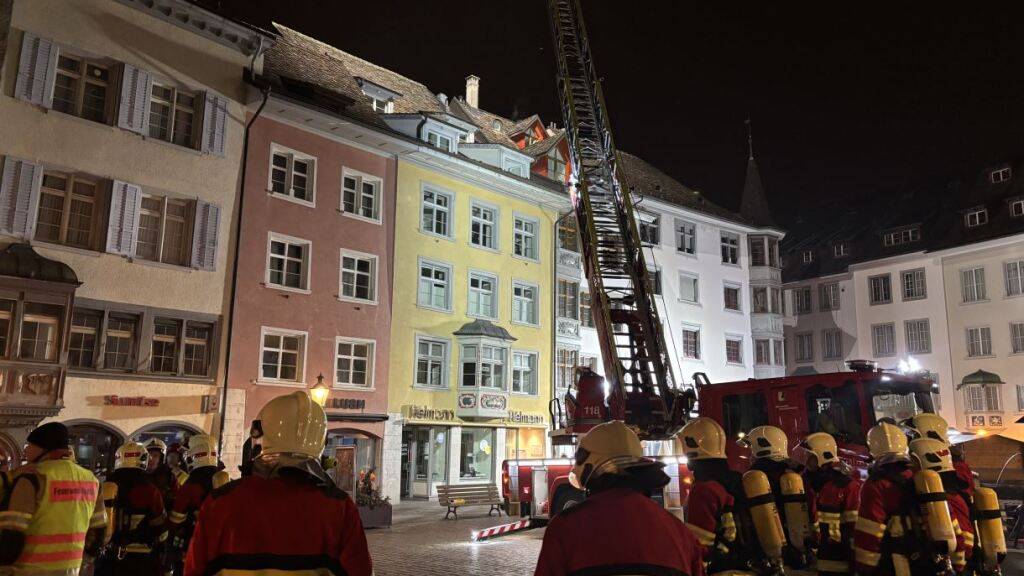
[753, 204]
[750, 138]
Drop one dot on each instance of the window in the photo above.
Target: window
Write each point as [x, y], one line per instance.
[654, 281]
[1014, 273]
[482, 294]
[828, 296]
[730, 248]
[981, 398]
[382, 106]
[904, 236]
[776, 301]
[435, 286]
[759, 297]
[1017, 337]
[802, 300]
[483, 221]
[288, 263]
[758, 256]
[731, 296]
[358, 276]
[568, 237]
[919, 339]
[197, 349]
[979, 341]
[733, 350]
[1000, 175]
[586, 310]
[514, 166]
[972, 284]
[841, 249]
[292, 175]
[6, 312]
[437, 208]
[476, 454]
[568, 299]
[431, 362]
[354, 363]
[743, 413]
[880, 289]
[360, 195]
[68, 211]
[1017, 208]
[650, 229]
[81, 87]
[439, 141]
[164, 233]
[566, 360]
[773, 252]
[914, 285]
[883, 339]
[762, 352]
[808, 256]
[164, 358]
[805, 347]
[556, 165]
[85, 325]
[777, 349]
[524, 372]
[120, 340]
[689, 288]
[691, 343]
[524, 243]
[524, 303]
[172, 115]
[832, 344]
[483, 366]
[282, 356]
[40, 326]
[976, 217]
[686, 237]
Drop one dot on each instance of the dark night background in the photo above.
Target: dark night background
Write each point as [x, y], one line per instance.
[844, 103]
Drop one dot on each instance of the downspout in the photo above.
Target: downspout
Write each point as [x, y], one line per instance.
[265, 90]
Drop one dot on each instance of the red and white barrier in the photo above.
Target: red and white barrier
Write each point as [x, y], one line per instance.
[504, 529]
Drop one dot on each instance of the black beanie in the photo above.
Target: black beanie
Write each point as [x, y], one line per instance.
[50, 436]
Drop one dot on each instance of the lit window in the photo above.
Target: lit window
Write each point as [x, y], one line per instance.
[883, 339]
[805, 347]
[734, 350]
[354, 363]
[67, 211]
[1000, 175]
[972, 284]
[691, 343]
[524, 303]
[914, 285]
[431, 362]
[880, 289]
[292, 175]
[288, 263]
[172, 114]
[81, 87]
[730, 248]
[162, 234]
[282, 356]
[482, 294]
[524, 372]
[686, 237]
[483, 226]
[436, 217]
[483, 366]
[981, 398]
[164, 359]
[976, 218]
[525, 238]
[434, 286]
[979, 341]
[358, 276]
[360, 195]
[919, 339]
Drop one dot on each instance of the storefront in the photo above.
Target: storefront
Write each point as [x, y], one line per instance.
[357, 453]
[95, 443]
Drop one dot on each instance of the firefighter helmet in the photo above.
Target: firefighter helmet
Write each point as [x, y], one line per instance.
[887, 443]
[608, 448]
[156, 444]
[702, 438]
[767, 442]
[131, 455]
[928, 425]
[822, 446]
[202, 451]
[931, 454]
[293, 424]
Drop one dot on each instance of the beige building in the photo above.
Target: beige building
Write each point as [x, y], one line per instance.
[121, 142]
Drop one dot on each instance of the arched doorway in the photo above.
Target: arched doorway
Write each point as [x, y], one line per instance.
[169, 432]
[356, 452]
[95, 445]
[10, 453]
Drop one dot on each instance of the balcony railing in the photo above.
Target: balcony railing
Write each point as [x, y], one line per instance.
[765, 274]
[567, 327]
[570, 261]
[766, 324]
[483, 403]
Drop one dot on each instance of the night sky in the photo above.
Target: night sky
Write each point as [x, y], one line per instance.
[843, 103]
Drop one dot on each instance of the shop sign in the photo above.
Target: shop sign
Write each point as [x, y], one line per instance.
[346, 403]
[517, 417]
[426, 413]
[114, 400]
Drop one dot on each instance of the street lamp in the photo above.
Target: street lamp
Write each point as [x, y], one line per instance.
[320, 391]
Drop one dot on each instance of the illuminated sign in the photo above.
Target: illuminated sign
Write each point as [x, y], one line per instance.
[346, 403]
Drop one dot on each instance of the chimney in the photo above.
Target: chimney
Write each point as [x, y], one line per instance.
[473, 91]
[443, 99]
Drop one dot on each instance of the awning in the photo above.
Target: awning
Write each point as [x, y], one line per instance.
[980, 377]
[355, 417]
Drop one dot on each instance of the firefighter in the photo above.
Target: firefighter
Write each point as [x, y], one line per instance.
[931, 454]
[836, 495]
[928, 425]
[239, 529]
[140, 528]
[54, 512]
[710, 514]
[177, 458]
[618, 529]
[202, 450]
[882, 539]
[159, 472]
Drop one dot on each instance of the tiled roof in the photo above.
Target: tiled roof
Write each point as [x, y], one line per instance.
[485, 123]
[541, 147]
[646, 180]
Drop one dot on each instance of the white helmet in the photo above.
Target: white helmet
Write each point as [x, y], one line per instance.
[931, 454]
[131, 455]
[929, 425]
[702, 438]
[293, 424]
[767, 442]
[158, 445]
[822, 446]
[608, 448]
[202, 451]
[887, 443]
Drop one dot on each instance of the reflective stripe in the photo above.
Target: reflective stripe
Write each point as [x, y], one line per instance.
[896, 527]
[18, 521]
[137, 548]
[728, 527]
[870, 527]
[849, 516]
[703, 536]
[837, 566]
[866, 557]
[47, 557]
[55, 538]
[177, 517]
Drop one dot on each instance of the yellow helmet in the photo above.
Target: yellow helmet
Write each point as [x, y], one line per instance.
[702, 438]
[608, 448]
[131, 455]
[930, 425]
[156, 444]
[822, 446]
[202, 451]
[887, 443]
[931, 454]
[767, 442]
[293, 424]
[71, 453]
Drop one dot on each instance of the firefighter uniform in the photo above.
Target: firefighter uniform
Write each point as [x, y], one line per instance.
[286, 516]
[618, 529]
[191, 495]
[931, 454]
[836, 495]
[933, 426]
[162, 476]
[769, 446]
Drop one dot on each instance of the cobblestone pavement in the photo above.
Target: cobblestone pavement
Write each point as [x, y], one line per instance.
[422, 543]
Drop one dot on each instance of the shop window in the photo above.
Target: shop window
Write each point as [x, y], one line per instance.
[742, 412]
[85, 326]
[40, 328]
[476, 458]
[524, 443]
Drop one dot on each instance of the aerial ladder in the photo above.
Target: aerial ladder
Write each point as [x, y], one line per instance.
[638, 386]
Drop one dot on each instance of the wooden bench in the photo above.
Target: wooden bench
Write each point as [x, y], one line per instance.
[455, 495]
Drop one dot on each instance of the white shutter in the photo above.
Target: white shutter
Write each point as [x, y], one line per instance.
[36, 70]
[133, 111]
[205, 234]
[125, 202]
[215, 116]
[19, 197]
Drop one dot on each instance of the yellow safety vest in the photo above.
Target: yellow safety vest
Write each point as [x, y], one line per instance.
[55, 538]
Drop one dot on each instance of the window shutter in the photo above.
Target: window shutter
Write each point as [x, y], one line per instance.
[204, 236]
[133, 112]
[36, 70]
[125, 202]
[19, 197]
[215, 116]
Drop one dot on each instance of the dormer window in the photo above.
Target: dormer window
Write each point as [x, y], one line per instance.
[530, 139]
[841, 249]
[382, 106]
[1000, 175]
[556, 165]
[438, 140]
[808, 256]
[382, 100]
[1017, 208]
[976, 217]
[904, 236]
[515, 167]
[496, 125]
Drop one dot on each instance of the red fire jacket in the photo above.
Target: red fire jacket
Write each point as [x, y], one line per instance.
[960, 513]
[881, 513]
[709, 516]
[283, 523]
[618, 531]
[963, 472]
[837, 501]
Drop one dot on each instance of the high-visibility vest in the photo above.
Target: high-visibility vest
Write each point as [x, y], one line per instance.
[55, 538]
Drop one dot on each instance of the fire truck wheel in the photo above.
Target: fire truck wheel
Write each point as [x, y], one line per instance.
[566, 497]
